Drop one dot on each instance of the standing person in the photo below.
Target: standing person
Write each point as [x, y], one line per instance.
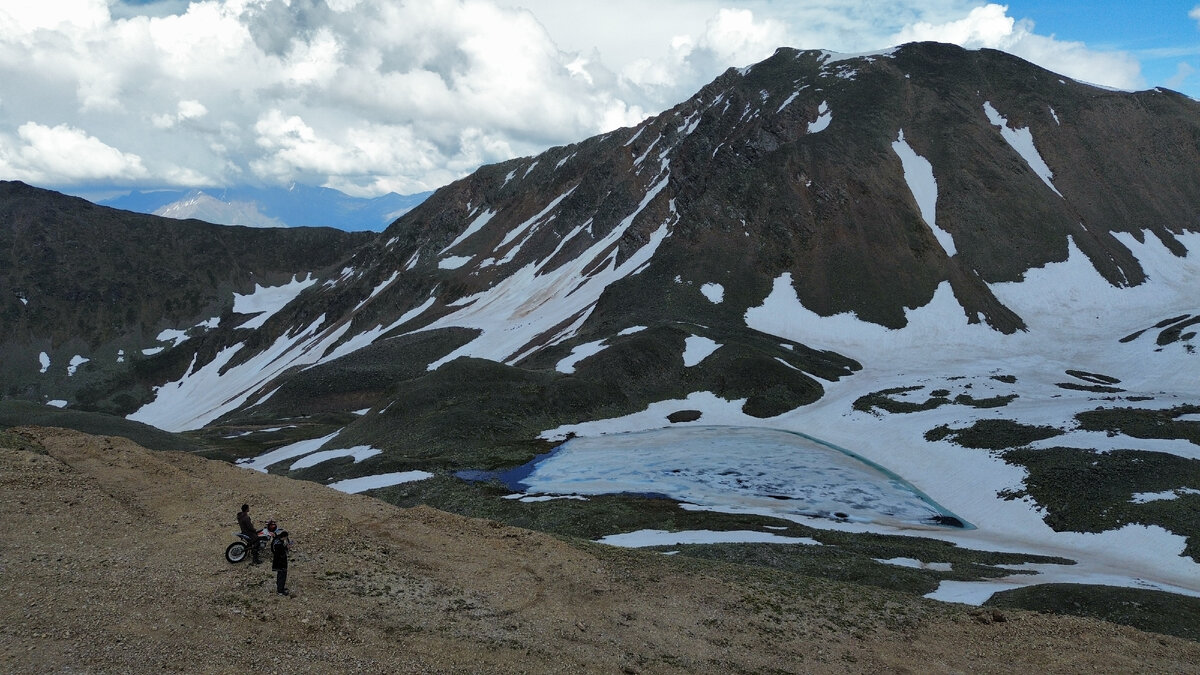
[247, 527]
[279, 554]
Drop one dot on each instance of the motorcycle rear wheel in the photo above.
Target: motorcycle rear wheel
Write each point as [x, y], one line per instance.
[236, 552]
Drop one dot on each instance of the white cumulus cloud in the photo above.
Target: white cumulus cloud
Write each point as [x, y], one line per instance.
[186, 110]
[732, 37]
[40, 153]
[985, 26]
[376, 95]
[990, 26]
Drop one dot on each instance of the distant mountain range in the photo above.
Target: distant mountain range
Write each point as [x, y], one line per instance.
[297, 206]
[966, 271]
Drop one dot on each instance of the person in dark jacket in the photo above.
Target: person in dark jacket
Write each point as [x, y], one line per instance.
[247, 527]
[279, 555]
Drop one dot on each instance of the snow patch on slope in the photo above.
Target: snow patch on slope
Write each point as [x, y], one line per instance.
[76, 361]
[824, 117]
[204, 394]
[358, 453]
[453, 262]
[1021, 140]
[918, 174]
[579, 353]
[286, 452]
[916, 564]
[368, 337]
[786, 101]
[645, 538]
[697, 348]
[714, 410]
[266, 301]
[714, 292]
[828, 57]
[533, 221]
[172, 335]
[377, 290]
[475, 226]
[1166, 495]
[357, 485]
[528, 303]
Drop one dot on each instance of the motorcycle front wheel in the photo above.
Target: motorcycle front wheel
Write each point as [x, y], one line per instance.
[236, 552]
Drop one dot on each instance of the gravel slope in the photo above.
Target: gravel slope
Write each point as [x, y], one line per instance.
[111, 562]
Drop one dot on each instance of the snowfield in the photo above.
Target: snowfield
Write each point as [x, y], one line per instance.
[265, 301]
[918, 173]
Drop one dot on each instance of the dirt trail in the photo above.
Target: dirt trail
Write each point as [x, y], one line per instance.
[111, 562]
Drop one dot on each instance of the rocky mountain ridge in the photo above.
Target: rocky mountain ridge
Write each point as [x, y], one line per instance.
[84, 281]
[794, 166]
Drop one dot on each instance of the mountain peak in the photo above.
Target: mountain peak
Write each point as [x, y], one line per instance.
[199, 205]
[832, 164]
[293, 206]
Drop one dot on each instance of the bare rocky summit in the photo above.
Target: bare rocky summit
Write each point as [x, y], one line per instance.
[111, 562]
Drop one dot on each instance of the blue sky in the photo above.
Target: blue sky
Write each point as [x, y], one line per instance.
[1160, 34]
[371, 96]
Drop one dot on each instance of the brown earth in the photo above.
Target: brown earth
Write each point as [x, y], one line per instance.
[111, 561]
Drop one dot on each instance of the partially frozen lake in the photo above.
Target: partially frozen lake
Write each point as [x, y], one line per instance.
[736, 470]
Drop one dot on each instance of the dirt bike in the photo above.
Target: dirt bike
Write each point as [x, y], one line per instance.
[238, 550]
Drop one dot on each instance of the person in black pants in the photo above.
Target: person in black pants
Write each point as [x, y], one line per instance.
[247, 527]
[279, 555]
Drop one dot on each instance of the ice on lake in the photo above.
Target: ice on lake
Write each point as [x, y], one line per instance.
[735, 469]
